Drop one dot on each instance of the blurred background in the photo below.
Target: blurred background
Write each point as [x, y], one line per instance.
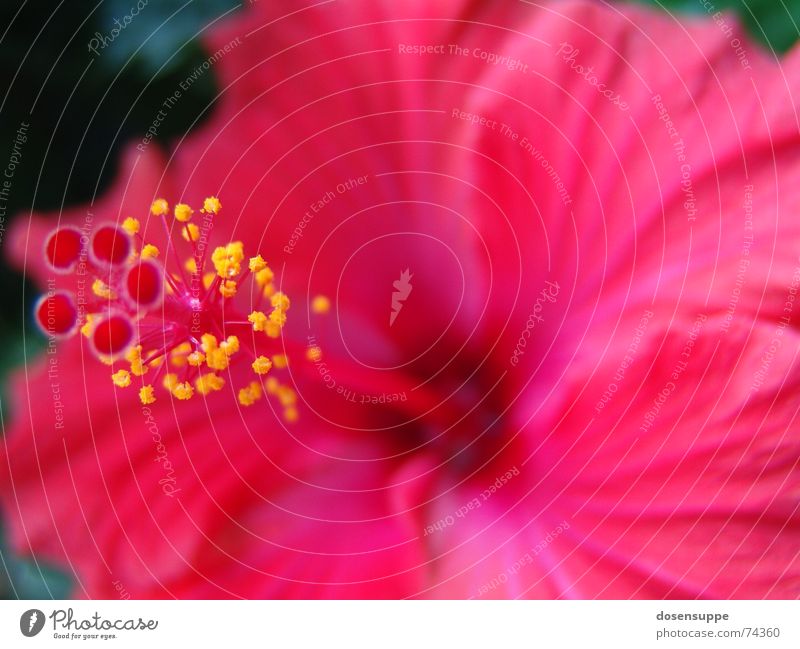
[82, 108]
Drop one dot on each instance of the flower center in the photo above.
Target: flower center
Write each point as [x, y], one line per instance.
[178, 329]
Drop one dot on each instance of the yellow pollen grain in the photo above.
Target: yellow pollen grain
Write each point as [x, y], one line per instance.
[262, 365]
[277, 317]
[256, 264]
[212, 205]
[149, 251]
[191, 230]
[101, 289]
[131, 225]
[208, 342]
[86, 329]
[191, 265]
[209, 383]
[230, 345]
[269, 290]
[320, 304]
[287, 396]
[258, 320]
[249, 395]
[208, 280]
[170, 381]
[228, 288]
[280, 361]
[272, 384]
[217, 359]
[264, 276]
[146, 395]
[280, 301]
[273, 330]
[183, 391]
[160, 207]
[183, 212]
[196, 359]
[122, 378]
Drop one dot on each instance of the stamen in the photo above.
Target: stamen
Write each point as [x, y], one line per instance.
[148, 312]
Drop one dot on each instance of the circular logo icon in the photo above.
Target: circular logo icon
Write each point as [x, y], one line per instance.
[31, 622]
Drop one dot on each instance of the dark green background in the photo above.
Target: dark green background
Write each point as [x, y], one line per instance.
[83, 108]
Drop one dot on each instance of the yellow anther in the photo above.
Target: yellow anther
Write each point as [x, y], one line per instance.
[280, 301]
[273, 330]
[217, 359]
[160, 207]
[156, 362]
[264, 276]
[290, 415]
[320, 304]
[262, 365]
[86, 329]
[314, 353]
[227, 260]
[277, 317]
[208, 280]
[101, 289]
[196, 359]
[249, 395]
[149, 251]
[134, 354]
[258, 320]
[209, 383]
[269, 290]
[228, 288]
[191, 265]
[170, 381]
[208, 342]
[191, 230]
[230, 345]
[183, 212]
[183, 391]
[286, 395]
[272, 385]
[212, 204]
[146, 395]
[122, 378]
[131, 225]
[257, 264]
[280, 361]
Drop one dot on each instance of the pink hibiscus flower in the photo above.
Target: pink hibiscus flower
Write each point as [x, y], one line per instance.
[557, 242]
